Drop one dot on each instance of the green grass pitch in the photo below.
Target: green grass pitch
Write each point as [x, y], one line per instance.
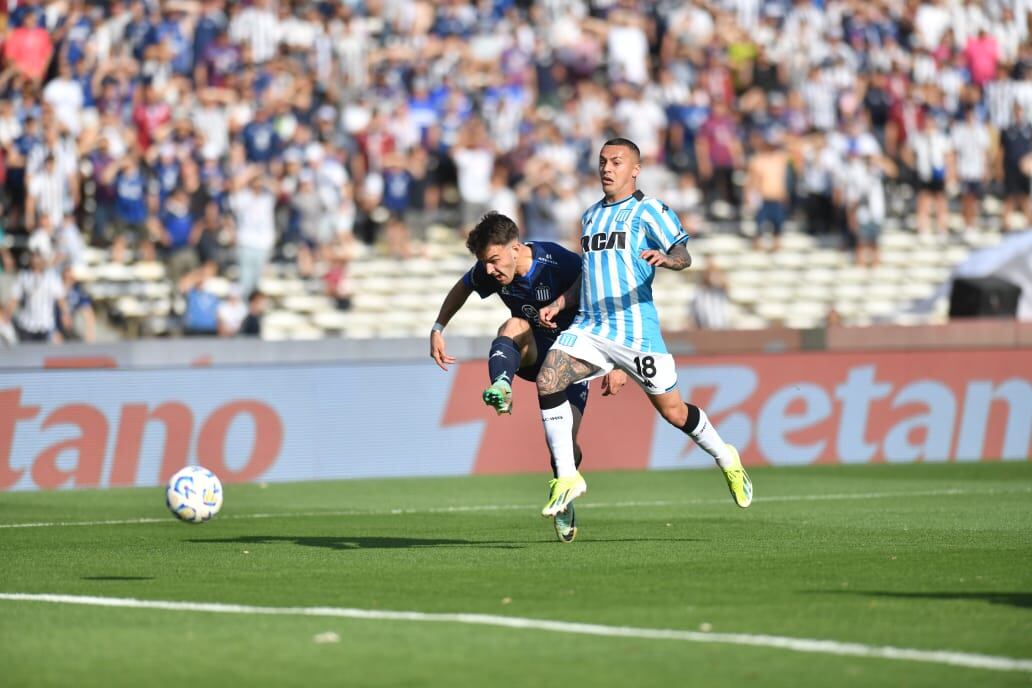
[927, 557]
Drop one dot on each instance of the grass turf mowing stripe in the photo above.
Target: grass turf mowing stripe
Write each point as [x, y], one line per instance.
[952, 492]
[810, 645]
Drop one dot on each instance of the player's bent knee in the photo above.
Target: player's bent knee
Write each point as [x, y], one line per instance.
[514, 327]
[674, 416]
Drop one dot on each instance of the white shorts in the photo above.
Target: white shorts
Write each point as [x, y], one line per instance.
[654, 373]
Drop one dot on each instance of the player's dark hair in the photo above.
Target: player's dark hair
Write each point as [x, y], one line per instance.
[626, 143]
[494, 229]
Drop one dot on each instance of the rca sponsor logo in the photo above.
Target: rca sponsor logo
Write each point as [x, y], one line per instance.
[79, 457]
[604, 242]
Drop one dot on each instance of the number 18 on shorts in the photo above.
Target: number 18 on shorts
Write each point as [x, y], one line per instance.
[654, 372]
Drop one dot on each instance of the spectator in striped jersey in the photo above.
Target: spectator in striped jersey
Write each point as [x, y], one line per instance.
[972, 143]
[37, 292]
[48, 193]
[256, 26]
[1015, 147]
[930, 153]
[864, 198]
[710, 306]
[6, 264]
[7, 276]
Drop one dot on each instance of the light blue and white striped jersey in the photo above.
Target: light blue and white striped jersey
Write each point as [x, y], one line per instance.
[616, 282]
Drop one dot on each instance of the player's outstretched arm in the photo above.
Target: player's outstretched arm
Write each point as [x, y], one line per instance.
[452, 303]
[677, 259]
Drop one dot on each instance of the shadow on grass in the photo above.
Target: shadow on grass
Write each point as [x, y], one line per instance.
[586, 539]
[342, 542]
[1022, 600]
[118, 578]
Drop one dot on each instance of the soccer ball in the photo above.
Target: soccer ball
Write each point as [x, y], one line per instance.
[194, 494]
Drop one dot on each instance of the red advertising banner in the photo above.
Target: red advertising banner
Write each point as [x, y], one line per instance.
[789, 409]
[101, 428]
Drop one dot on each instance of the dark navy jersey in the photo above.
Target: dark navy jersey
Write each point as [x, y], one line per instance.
[552, 271]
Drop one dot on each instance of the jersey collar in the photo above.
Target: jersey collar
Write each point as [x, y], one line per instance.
[534, 264]
[637, 195]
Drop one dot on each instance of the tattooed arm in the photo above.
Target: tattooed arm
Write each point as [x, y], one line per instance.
[677, 259]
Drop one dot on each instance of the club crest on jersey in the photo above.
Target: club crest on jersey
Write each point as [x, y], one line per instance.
[543, 293]
[531, 314]
[602, 242]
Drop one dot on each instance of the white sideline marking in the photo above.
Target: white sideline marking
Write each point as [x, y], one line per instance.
[514, 507]
[831, 647]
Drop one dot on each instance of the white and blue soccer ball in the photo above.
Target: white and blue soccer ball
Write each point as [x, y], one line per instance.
[194, 494]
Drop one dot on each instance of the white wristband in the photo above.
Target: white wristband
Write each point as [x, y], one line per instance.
[438, 327]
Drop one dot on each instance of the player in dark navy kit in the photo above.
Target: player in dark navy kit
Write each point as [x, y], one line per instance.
[527, 277]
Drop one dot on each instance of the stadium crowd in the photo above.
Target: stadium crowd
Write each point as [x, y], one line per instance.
[219, 136]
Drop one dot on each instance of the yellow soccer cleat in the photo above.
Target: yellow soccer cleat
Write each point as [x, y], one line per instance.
[738, 481]
[562, 493]
[499, 396]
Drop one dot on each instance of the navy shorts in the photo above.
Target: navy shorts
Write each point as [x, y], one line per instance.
[934, 185]
[577, 393]
[772, 214]
[973, 187]
[1015, 181]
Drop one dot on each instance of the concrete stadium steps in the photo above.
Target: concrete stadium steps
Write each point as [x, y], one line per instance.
[796, 286]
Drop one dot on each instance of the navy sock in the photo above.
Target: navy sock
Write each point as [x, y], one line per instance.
[503, 360]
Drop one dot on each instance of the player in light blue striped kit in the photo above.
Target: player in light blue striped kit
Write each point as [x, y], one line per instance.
[624, 237]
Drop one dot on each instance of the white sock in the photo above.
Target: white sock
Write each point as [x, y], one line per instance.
[558, 423]
[706, 436]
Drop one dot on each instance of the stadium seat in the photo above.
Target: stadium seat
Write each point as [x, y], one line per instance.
[305, 303]
[807, 291]
[748, 321]
[114, 272]
[826, 258]
[772, 310]
[149, 271]
[877, 289]
[272, 287]
[745, 293]
[745, 277]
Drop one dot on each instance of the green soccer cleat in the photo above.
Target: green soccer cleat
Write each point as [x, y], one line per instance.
[738, 481]
[565, 525]
[562, 492]
[499, 396]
